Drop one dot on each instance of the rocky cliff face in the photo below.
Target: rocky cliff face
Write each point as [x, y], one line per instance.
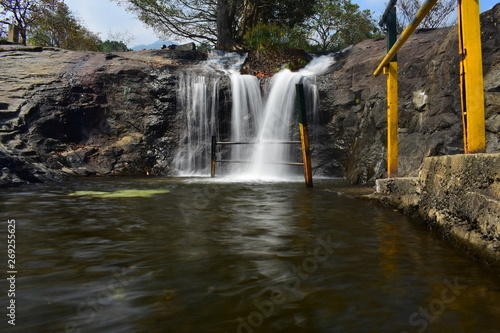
[353, 103]
[80, 113]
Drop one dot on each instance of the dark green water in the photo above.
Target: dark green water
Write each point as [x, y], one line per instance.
[233, 257]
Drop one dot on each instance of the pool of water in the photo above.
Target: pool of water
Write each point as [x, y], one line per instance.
[216, 256]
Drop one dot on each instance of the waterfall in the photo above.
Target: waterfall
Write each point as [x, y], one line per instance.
[198, 99]
[257, 117]
[198, 102]
[274, 123]
[279, 113]
[246, 112]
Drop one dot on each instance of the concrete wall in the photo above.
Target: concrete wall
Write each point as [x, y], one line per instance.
[459, 193]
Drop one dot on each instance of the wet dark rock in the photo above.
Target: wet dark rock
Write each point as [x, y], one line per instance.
[85, 113]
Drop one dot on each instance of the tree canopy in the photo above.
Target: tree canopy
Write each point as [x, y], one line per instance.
[113, 46]
[339, 23]
[56, 26]
[51, 23]
[235, 24]
[438, 17]
[22, 13]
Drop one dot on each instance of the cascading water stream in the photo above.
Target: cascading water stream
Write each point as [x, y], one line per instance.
[276, 127]
[275, 122]
[198, 100]
[246, 114]
[198, 97]
[262, 119]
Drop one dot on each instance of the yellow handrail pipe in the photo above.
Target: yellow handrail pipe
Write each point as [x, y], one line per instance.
[422, 12]
[471, 76]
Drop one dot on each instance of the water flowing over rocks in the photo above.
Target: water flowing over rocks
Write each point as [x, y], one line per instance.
[84, 113]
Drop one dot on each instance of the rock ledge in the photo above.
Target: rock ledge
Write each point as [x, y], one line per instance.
[460, 194]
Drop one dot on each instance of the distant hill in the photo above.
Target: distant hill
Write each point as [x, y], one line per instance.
[156, 45]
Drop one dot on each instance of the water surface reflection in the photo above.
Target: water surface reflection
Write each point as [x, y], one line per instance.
[235, 257]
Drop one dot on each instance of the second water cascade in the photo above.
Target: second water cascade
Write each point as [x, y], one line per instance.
[261, 116]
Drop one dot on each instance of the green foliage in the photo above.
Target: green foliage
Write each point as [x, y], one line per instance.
[339, 23]
[333, 25]
[271, 37]
[22, 13]
[114, 46]
[286, 13]
[58, 27]
[256, 24]
[204, 46]
[264, 36]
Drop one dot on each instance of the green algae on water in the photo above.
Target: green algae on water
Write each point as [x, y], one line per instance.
[119, 194]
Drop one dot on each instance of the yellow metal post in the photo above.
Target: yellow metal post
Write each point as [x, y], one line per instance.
[391, 69]
[392, 119]
[304, 134]
[471, 76]
[213, 158]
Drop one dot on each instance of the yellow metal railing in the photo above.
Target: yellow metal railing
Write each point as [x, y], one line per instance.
[471, 80]
[422, 12]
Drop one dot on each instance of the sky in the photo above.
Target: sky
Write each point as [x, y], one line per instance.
[104, 16]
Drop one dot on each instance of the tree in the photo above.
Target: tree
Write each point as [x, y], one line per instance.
[222, 23]
[3, 31]
[114, 46]
[22, 13]
[187, 19]
[122, 37]
[339, 23]
[272, 37]
[56, 26]
[437, 17]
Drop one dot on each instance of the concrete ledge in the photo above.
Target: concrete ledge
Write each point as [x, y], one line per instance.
[459, 193]
[403, 193]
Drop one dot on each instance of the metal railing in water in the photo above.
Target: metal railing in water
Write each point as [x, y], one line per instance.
[304, 141]
[216, 143]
